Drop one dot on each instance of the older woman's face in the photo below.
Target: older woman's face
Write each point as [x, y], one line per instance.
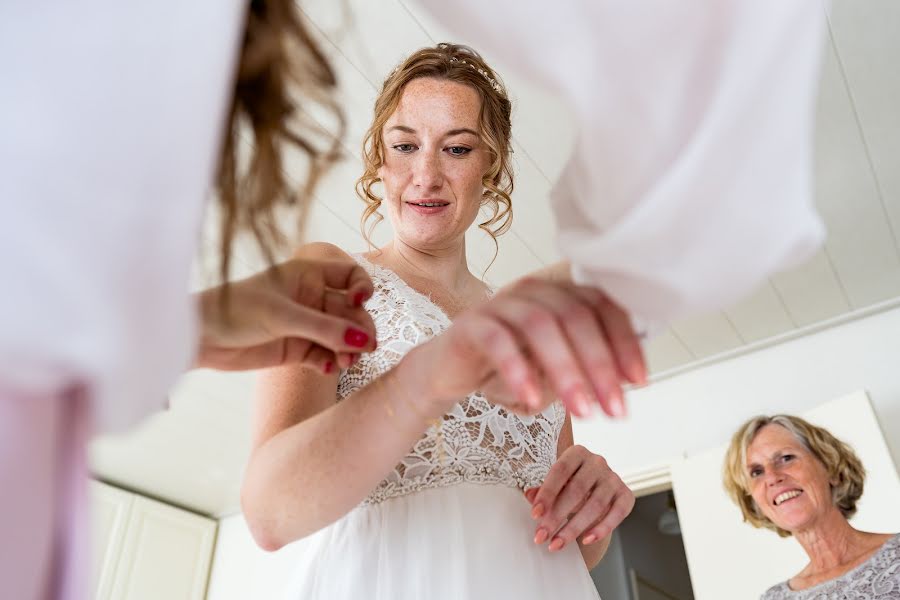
[434, 161]
[788, 483]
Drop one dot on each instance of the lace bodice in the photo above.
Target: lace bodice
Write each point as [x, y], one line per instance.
[480, 442]
[876, 579]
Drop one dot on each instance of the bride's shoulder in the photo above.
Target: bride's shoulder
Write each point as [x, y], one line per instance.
[322, 250]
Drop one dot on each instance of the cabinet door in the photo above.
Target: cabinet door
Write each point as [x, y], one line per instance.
[730, 559]
[166, 553]
[110, 509]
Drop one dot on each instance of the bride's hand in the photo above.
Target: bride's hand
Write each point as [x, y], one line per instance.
[580, 497]
[572, 338]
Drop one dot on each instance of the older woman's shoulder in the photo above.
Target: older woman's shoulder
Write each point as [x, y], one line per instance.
[879, 572]
[777, 592]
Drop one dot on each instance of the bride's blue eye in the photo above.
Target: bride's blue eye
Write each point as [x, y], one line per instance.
[404, 148]
[458, 150]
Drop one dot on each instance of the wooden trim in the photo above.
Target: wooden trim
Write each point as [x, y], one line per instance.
[649, 480]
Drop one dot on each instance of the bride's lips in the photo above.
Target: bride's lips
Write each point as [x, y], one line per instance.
[421, 205]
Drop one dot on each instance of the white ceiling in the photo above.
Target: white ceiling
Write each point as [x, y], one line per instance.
[193, 454]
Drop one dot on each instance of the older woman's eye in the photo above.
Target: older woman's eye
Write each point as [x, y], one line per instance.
[404, 148]
[458, 150]
[787, 458]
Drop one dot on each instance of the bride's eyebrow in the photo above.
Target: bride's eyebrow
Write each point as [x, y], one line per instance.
[402, 128]
[462, 130]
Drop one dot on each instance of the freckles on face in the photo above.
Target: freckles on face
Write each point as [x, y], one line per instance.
[435, 159]
[788, 483]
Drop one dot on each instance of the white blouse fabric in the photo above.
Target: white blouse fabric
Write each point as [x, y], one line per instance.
[110, 119]
[690, 179]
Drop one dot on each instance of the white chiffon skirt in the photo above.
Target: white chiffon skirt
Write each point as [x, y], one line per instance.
[451, 543]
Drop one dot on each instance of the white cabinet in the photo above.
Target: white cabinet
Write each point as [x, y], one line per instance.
[148, 550]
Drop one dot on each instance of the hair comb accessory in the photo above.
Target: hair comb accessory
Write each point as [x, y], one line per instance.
[494, 84]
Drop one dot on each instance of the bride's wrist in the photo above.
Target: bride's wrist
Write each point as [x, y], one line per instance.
[413, 377]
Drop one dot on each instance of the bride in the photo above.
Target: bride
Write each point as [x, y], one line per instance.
[400, 481]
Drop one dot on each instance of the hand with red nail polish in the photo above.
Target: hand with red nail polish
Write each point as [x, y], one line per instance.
[581, 497]
[307, 310]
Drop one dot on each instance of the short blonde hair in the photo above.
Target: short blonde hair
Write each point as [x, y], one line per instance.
[838, 458]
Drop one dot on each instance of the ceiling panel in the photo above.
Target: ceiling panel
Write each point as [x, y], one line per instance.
[860, 241]
[761, 315]
[533, 215]
[192, 454]
[865, 36]
[811, 292]
[665, 351]
[373, 36]
[708, 335]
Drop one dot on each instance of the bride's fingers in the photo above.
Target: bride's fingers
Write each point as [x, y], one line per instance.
[621, 507]
[542, 331]
[500, 349]
[623, 339]
[591, 344]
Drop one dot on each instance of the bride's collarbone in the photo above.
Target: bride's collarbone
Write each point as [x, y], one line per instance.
[452, 302]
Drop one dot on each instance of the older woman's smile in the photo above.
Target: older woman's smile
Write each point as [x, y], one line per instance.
[786, 496]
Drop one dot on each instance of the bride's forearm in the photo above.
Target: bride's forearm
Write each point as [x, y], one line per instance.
[313, 473]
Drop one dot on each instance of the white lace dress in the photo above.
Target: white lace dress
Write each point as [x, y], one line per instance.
[456, 530]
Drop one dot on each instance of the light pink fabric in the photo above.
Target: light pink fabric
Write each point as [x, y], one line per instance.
[43, 495]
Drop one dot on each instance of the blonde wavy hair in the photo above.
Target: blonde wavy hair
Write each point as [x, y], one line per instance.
[845, 470]
[453, 62]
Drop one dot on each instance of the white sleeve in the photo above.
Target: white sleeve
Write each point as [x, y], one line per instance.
[690, 179]
[110, 121]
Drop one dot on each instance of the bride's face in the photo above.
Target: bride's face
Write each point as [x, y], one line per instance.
[434, 163]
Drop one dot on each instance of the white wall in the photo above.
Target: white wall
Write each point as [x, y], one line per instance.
[699, 409]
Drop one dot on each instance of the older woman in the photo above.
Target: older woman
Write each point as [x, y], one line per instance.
[798, 480]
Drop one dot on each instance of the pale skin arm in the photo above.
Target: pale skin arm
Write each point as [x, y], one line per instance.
[292, 487]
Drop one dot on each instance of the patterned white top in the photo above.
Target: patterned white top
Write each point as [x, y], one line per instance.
[876, 579]
[481, 442]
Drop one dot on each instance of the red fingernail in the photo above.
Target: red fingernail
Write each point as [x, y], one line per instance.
[329, 366]
[356, 337]
[359, 298]
[541, 536]
[556, 544]
[538, 511]
[530, 494]
[589, 539]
